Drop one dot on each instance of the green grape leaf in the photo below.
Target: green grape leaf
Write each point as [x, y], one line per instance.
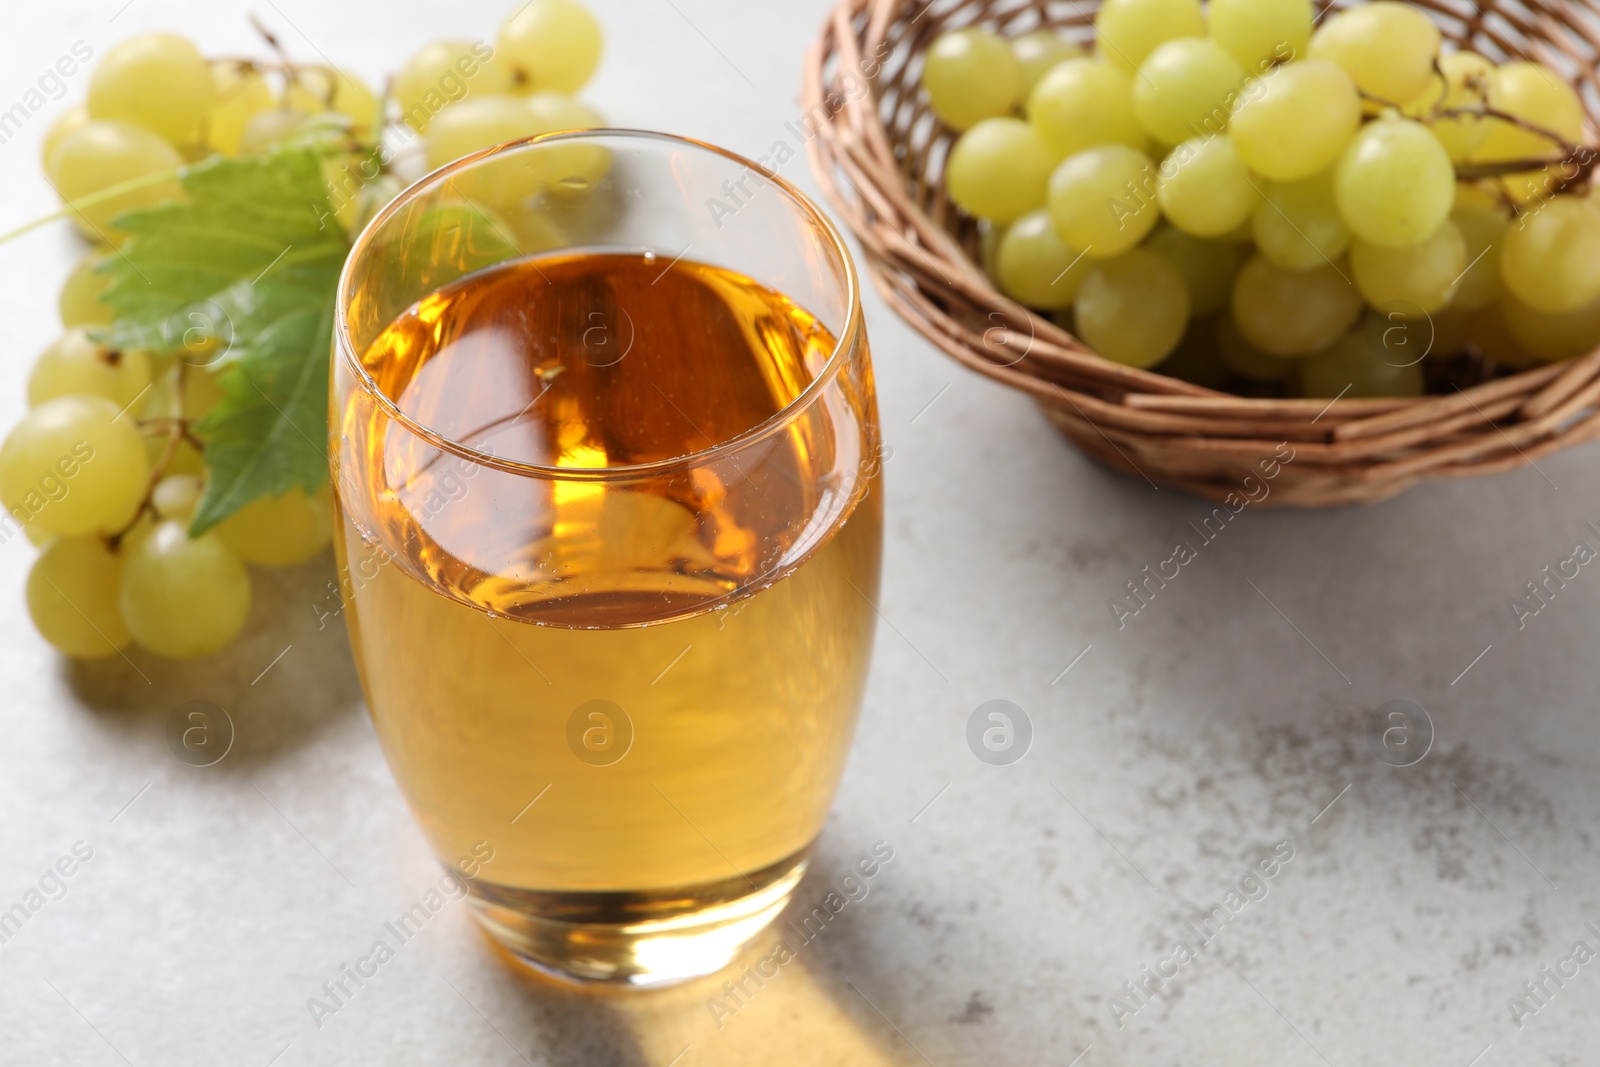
[241, 276]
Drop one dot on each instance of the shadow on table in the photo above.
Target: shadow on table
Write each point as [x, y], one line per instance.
[286, 678]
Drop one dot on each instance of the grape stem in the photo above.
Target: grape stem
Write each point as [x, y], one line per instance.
[72, 207]
[177, 430]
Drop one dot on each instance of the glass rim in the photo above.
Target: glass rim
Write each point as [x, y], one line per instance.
[844, 341]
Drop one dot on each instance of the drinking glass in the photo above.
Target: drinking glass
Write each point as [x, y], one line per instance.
[608, 545]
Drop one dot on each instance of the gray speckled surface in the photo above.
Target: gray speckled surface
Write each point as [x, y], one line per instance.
[1225, 718]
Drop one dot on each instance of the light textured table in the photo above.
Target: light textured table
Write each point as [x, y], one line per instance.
[1225, 718]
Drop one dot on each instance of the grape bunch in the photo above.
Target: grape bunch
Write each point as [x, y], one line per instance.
[1238, 198]
[108, 466]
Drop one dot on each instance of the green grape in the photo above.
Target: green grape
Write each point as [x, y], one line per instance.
[1039, 51]
[1204, 189]
[1420, 277]
[1386, 47]
[1208, 267]
[176, 496]
[1083, 103]
[1196, 359]
[162, 402]
[72, 597]
[1297, 225]
[999, 170]
[1256, 31]
[180, 596]
[971, 75]
[1394, 184]
[38, 538]
[1553, 337]
[281, 531]
[1467, 77]
[1248, 361]
[1297, 121]
[1126, 31]
[477, 122]
[71, 465]
[1184, 89]
[159, 81]
[1537, 95]
[1034, 267]
[1482, 223]
[68, 121]
[315, 90]
[1550, 259]
[80, 303]
[1102, 200]
[1132, 309]
[76, 365]
[99, 155]
[239, 93]
[550, 44]
[443, 72]
[267, 129]
[1292, 312]
[567, 167]
[1358, 365]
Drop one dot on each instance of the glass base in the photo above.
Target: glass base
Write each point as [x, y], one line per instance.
[640, 939]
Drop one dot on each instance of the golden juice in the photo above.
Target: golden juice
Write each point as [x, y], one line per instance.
[637, 684]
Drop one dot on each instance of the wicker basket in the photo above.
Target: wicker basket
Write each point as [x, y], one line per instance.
[879, 152]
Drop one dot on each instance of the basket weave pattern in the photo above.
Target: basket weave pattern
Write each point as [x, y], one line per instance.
[879, 153]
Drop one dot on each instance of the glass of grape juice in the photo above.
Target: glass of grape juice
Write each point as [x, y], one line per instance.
[605, 455]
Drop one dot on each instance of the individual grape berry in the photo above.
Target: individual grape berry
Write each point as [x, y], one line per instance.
[999, 170]
[1133, 309]
[1482, 222]
[280, 531]
[477, 122]
[1258, 31]
[1466, 79]
[444, 72]
[72, 597]
[1040, 50]
[971, 75]
[80, 303]
[567, 167]
[71, 466]
[1103, 200]
[1248, 361]
[550, 45]
[316, 90]
[1537, 95]
[239, 93]
[1299, 122]
[76, 365]
[1208, 267]
[183, 597]
[101, 154]
[1419, 278]
[1297, 225]
[1205, 189]
[1394, 183]
[158, 81]
[1359, 365]
[176, 496]
[1126, 31]
[1550, 260]
[69, 120]
[1386, 47]
[1553, 337]
[266, 130]
[1292, 313]
[1033, 265]
[1082, 103]
[1185, 88]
